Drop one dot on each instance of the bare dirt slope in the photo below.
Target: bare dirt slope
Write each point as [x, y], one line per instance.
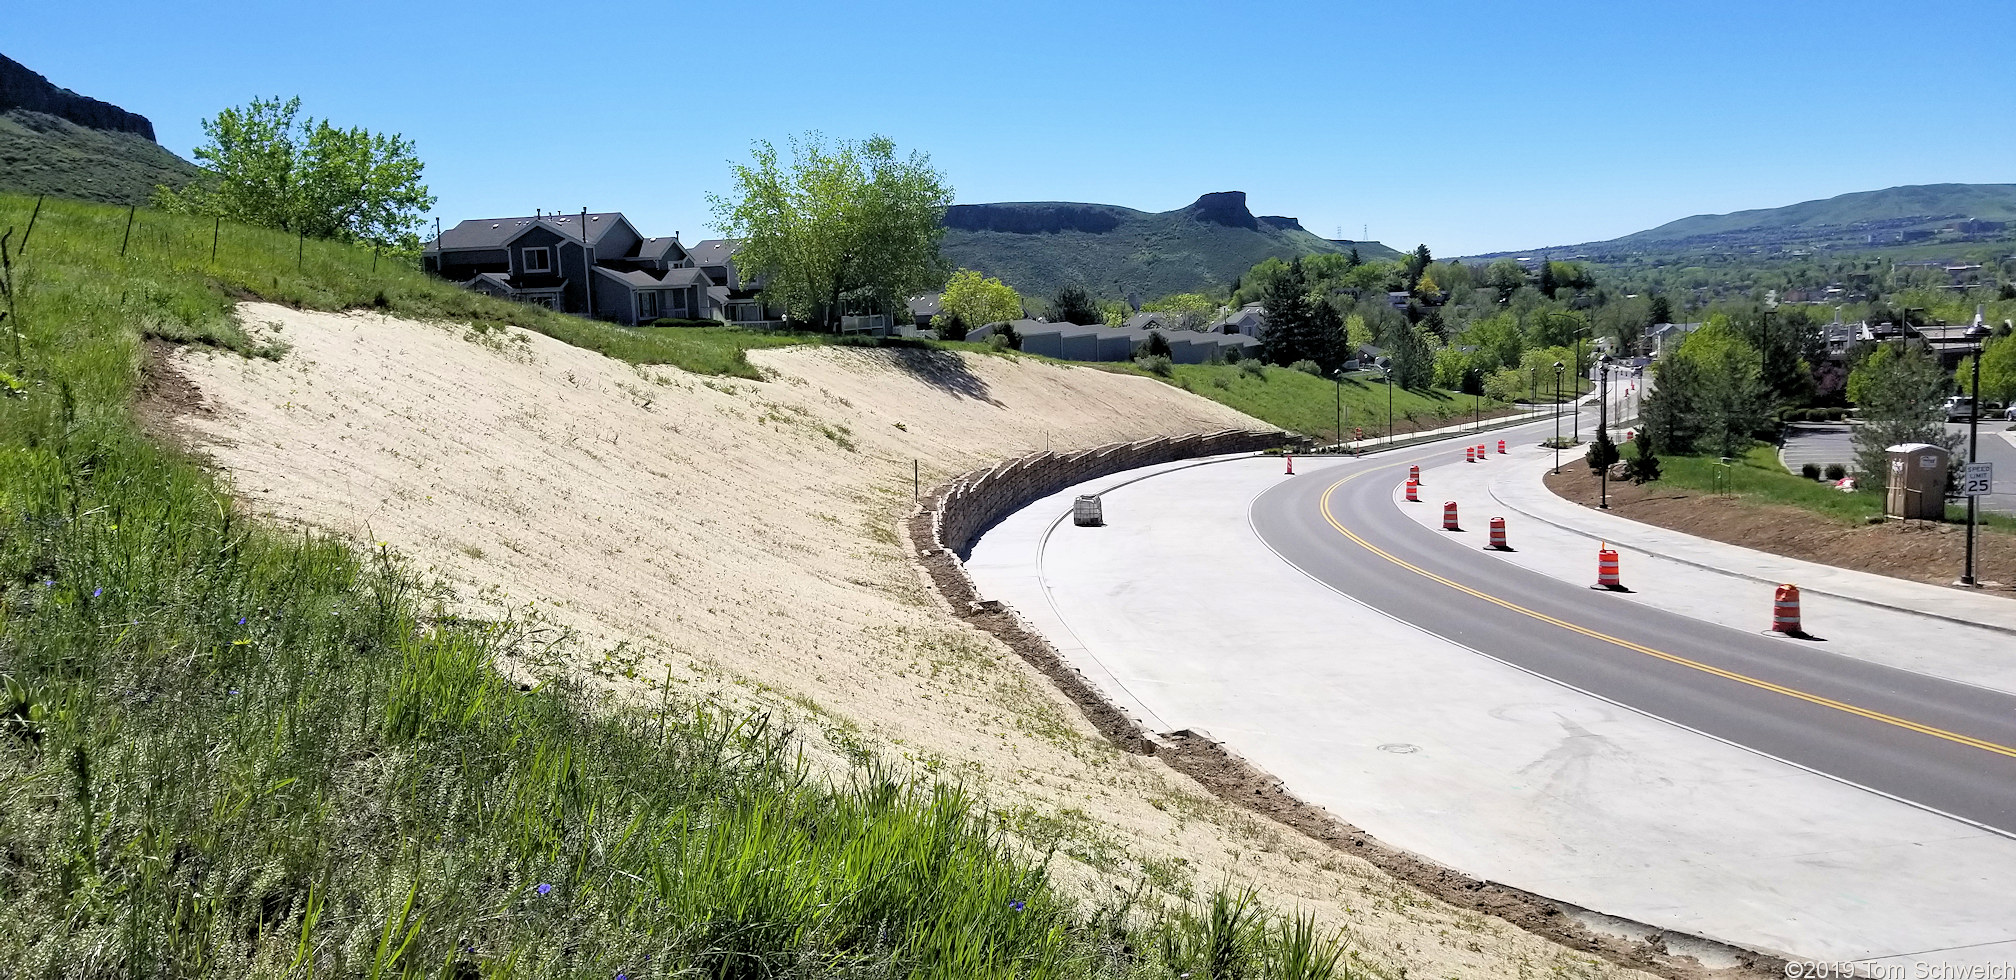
[740, 539]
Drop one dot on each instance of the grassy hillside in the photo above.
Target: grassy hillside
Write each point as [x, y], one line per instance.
[233, 750]
[1301, 402]
[1114, 252]
[43, 154]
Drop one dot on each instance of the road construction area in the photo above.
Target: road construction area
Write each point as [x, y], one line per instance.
[1658, 754]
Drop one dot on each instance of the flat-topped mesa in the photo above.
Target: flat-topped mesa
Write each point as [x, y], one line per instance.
[21, 88]
[1223, 208]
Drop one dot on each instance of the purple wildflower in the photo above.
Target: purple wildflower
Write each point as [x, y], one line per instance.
[1016, 905]
[95, 593]
[543, 888]
[622, 976]
[241, 620]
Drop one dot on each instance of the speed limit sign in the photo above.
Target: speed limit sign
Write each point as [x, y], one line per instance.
[1977, 479]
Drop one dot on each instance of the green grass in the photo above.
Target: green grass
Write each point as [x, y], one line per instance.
[231, 750]
[1758, 475]
[1300, 402]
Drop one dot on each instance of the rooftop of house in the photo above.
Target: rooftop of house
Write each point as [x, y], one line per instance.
[652, 279]
[713, 251]
[486, 233]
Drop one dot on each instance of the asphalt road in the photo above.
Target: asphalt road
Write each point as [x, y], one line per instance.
[1939, 744]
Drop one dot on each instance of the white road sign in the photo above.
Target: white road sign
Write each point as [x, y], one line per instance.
[1977, 479]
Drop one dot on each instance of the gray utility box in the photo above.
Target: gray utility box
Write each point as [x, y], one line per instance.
[1917, 487]
[1086, 512]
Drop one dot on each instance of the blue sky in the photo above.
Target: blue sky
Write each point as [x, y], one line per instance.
[1468, 126]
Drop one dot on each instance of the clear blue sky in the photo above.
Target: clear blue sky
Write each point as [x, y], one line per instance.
[1468, 126]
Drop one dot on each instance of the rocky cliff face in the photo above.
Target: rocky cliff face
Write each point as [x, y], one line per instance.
[1033, 219]
[1223, 208]
[21, 88]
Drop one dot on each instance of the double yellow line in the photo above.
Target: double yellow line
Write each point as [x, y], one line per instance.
[1842, 706]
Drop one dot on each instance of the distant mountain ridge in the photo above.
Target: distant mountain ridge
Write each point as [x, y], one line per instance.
[55, 141]
[1111, 251]
[1908, 214]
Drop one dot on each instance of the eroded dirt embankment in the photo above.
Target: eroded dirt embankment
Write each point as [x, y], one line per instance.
[739, 541]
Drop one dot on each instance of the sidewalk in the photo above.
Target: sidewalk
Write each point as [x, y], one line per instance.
[1947, 633]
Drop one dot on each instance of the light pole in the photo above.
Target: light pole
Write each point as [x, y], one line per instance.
[1387, 372]
[1603, 422]
[1978, 333]
[1337, 379]
[1578, 384]
[1557, 417]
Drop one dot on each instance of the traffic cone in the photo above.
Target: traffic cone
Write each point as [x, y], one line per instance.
[1606, 570]
[1291, 464]
[1785, 611]
[1501, 447]
[1497, 536]
[1449, 517]
[1413, 492]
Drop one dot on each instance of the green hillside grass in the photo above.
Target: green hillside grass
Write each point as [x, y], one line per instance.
[44, 154]
[1303, 403]
[231, 750]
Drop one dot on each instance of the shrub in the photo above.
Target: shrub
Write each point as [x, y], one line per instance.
[1836, 471]
[1307, 367]
[1810, 471]
[998, 342]
[1155, 364]
[1645, 466]
[1602, 452]
[1253, 369]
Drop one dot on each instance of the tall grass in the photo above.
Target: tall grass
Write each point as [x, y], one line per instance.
[228, 750]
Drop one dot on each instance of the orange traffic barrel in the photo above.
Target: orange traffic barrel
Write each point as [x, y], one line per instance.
[1413, 491]
[1498, 536]
[1607, 575]
[1449, 517]
[1785, 611]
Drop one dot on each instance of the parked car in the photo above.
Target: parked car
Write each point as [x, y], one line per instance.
[1959, 408]
[2009, 414]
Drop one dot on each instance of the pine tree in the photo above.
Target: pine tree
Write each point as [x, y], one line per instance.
[1602, 451]
[1645, 468]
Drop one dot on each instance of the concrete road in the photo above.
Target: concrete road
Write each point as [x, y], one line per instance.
[1942, 744]
[1429, 735]
[1824, 443]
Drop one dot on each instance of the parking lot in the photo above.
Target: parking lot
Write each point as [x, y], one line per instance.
[1821, 443]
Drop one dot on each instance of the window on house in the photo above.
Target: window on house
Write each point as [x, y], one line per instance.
[647, 306]
[536, 260]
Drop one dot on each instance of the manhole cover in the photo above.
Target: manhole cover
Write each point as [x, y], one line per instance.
[1399, 748]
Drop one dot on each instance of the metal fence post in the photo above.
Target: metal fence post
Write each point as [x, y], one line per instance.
[129, 229]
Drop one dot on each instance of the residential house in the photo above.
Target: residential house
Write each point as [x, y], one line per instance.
[1249, 320]
[594, 264]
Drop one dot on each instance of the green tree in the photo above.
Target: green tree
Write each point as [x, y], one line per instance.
[1073, 305]
[1505, 276]
[1192, 311]
[1356, 334]
[1710, 395]
[1901, 393]
[973, 300]
[268, 167]
[1998, 370]
[848, 218]
[1290, 334]
[1602, 451]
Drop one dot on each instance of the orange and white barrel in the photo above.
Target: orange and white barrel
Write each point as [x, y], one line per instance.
[1607, 573]
[1413, 491]
[1501, 447]
[1449, 517]
[1498, 535]
[1785, 611]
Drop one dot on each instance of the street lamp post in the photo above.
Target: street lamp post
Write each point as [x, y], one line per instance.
[1603, 421]
[1338, 380]
[1557, 417]
[1389, 405]
[1979, 334]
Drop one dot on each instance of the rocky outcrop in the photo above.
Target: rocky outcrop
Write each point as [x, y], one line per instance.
[1223, 208]
[21, 88]
[1285, 224]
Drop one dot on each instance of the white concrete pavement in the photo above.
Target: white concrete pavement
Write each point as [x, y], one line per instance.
[1177, 611]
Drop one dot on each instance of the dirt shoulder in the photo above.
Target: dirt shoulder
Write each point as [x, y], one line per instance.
[739, 542]
[1920, 551]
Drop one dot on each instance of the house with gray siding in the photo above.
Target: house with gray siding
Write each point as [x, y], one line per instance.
[595, 265]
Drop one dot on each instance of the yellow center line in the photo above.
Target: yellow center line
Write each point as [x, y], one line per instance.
[1760, 684]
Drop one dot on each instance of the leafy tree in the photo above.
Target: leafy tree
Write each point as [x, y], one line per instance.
[974, 300]
[1661, 312]
[1192, 311]
[266, 167]
[1410, 356]
[1710, 395]
[1426, 288]
[1505, 276]
[1998, 370]
[1356, 334]
[1158, 345]
[1074, 305]
[1498, 341]
[1417, 266]
[1901, 393]
[846, 218]
[1548, 284]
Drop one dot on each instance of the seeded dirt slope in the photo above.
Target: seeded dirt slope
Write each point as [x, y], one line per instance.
[738, 541]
